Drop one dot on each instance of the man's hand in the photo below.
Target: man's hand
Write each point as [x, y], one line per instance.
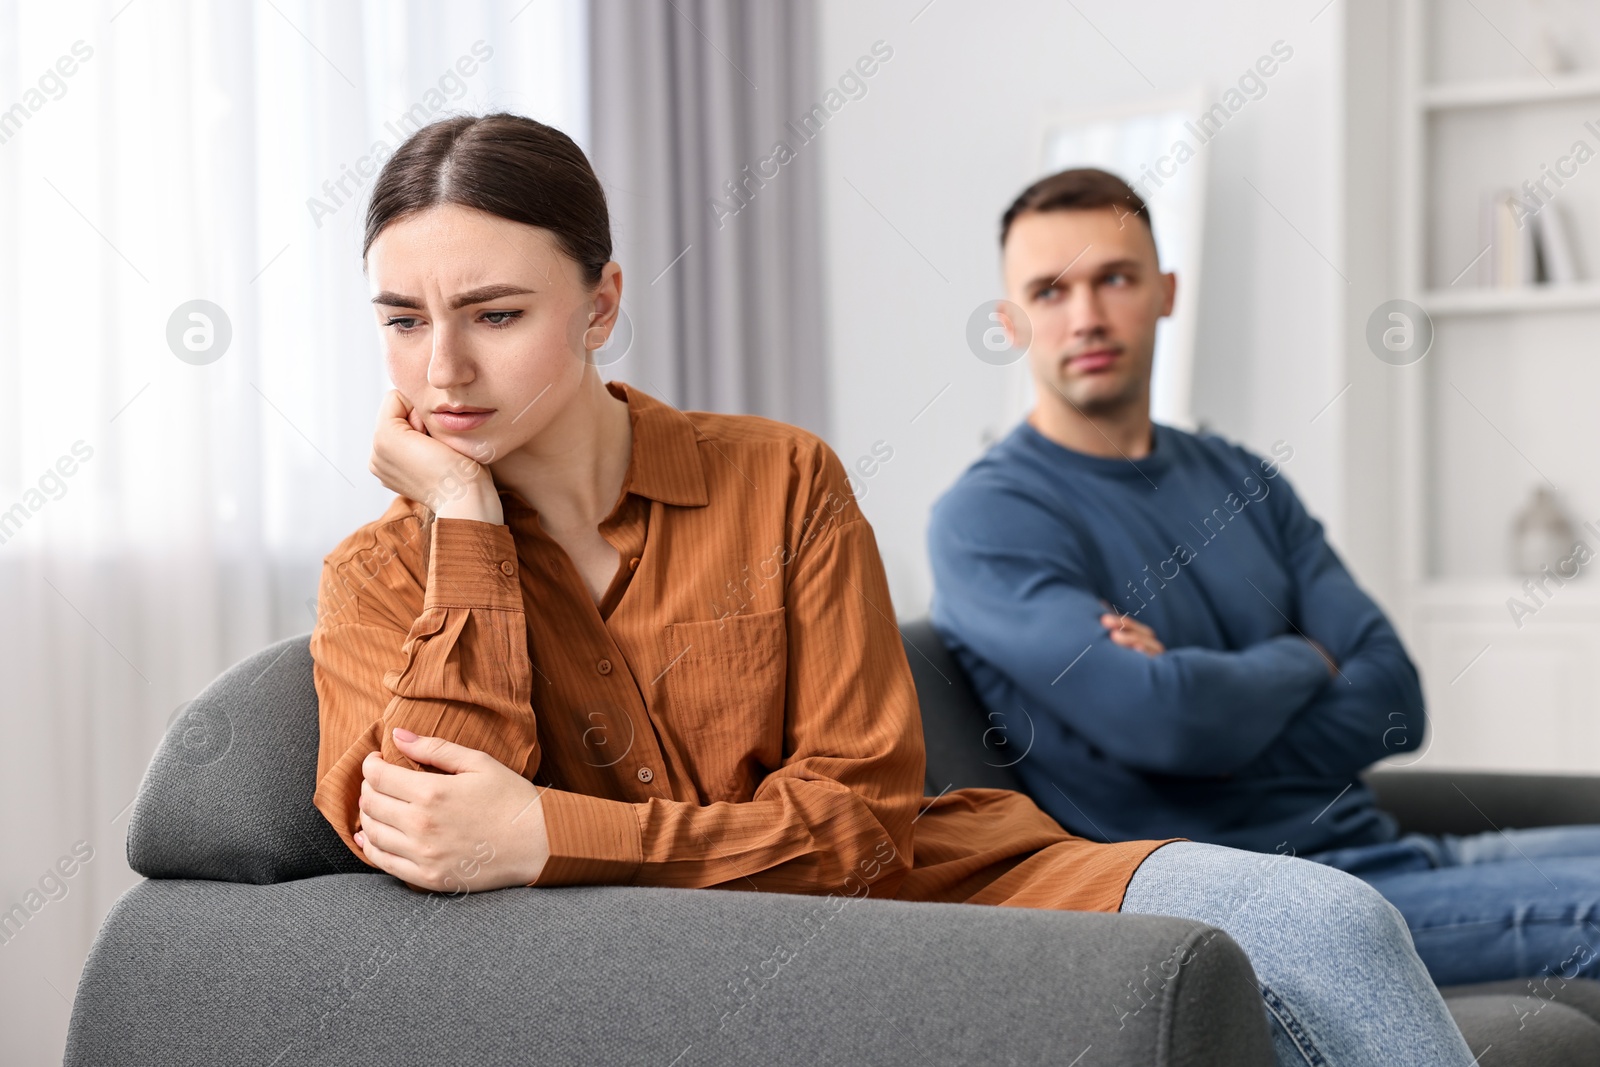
[1333, 666]
[479, 826]
[1130, 633]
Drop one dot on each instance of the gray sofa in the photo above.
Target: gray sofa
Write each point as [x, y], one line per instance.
[1553, 1021]
[258, 938]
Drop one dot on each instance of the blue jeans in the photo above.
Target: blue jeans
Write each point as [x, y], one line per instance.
[1341, 984]
[1491, 906]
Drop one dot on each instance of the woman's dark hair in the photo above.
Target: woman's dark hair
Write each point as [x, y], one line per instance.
[507, 165]
[1081, 188]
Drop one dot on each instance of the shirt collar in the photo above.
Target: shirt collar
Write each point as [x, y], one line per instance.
[665, 464]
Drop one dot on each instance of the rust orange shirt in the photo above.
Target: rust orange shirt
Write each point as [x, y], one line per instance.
[736, 712]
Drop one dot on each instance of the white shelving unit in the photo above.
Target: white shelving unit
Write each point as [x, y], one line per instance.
[1580, 296]
[1505, 400]
[1505, 92]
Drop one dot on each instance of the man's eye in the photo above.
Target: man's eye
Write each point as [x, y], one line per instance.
[400, 323]
[1117, 278]
[1047, 293]
[501, 319]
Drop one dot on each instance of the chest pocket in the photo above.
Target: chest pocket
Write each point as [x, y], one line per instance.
[725, 700]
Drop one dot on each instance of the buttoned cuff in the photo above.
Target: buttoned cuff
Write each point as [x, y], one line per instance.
[472, 564]
[593, 841]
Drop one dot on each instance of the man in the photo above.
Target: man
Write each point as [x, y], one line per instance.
[1158, 611]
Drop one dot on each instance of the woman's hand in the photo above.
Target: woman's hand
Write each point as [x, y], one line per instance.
[480, 826]
[415, 465]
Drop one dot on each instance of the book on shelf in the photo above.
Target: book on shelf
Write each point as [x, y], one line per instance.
[1526, 243]
[1556, 261]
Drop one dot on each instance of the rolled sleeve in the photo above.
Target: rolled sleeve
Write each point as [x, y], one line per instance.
[458, 668]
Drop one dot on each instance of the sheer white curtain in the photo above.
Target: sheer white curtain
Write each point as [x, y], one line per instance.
[162, 517]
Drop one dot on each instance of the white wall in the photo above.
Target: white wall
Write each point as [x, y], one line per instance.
[918, 171]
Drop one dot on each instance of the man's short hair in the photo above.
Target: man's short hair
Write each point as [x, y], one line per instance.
[1078, 189]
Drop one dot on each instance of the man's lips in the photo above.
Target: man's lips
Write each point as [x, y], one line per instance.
[1096, 359]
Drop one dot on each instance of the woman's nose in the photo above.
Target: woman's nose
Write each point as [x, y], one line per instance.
[448, 364]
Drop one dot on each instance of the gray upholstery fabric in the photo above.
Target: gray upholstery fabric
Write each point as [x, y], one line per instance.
[964, 747]
[228, 794]
[1463, 802]
[356, 969]
[1557, 1036]
[1525, 998]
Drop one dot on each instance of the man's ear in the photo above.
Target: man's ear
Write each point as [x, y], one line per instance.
[1006, 323]
[1169, 282]
[1018, 330]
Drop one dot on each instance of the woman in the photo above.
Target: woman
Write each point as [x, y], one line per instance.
[598, 640]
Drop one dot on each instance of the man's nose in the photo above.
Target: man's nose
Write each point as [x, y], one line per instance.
[1085, 315]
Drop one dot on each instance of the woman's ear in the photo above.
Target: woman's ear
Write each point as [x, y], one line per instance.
[606, 302]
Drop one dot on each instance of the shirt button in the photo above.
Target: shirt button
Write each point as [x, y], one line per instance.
[645, 774]
[604, 666]
[507, 567]
[633, 564]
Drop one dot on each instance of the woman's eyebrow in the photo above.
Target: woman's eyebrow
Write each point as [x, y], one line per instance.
[460, 300]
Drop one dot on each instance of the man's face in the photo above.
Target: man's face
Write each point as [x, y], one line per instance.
[1092, 289]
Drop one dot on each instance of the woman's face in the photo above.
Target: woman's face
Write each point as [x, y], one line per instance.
[479, 311]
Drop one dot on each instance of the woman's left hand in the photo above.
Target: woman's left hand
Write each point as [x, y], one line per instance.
[479, 826]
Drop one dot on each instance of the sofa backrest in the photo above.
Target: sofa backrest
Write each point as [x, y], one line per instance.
[967, 746]
[228, 794]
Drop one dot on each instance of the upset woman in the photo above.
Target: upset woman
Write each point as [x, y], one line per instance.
[598, 640]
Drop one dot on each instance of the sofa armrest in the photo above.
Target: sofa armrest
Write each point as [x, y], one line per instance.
[1470, 802]
[357, 968]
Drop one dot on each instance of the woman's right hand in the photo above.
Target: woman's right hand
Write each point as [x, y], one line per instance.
[419, 467]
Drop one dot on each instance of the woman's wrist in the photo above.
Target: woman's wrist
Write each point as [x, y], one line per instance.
[538, 842]
[479, 501]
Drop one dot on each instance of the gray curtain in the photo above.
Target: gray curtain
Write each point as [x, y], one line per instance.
[712, 181]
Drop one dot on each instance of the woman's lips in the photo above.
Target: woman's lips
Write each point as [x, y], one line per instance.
[461, 420]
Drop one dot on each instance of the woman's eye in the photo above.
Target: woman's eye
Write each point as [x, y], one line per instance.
[400, 324]
[501, 319]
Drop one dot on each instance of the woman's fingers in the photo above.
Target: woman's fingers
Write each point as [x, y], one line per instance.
[380, 806]
[381, 838]
[396, 408]
[392, 406]
[415, 464]
[391, 862]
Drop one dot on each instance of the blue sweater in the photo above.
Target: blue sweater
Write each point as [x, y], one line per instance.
[1236, 734]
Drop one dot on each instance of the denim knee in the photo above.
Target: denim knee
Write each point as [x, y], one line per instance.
[1351, 912]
